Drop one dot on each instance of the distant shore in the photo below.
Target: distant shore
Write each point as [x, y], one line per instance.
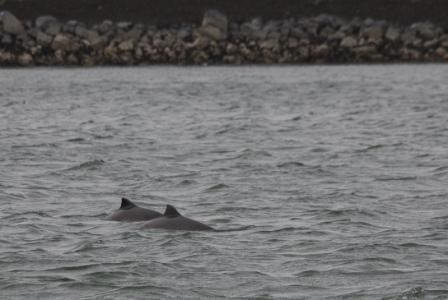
[264, 35]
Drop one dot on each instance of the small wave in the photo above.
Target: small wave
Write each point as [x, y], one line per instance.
[370, 148]
[88, 165]
[398, 178]
[217, 187]
[84, 246]
[76, 140]
[414, 293]
[187, 182]
[290, 164]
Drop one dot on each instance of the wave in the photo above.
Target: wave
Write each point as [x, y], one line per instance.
[90, 165]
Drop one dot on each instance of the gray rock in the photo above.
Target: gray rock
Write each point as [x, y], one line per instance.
[6, 39]
[43, 21]
[269, 44]
[425, 30]
[81, 31]
[441, 52]
[105, 26]
[392, 33]
[231, 48]
[212, 33]
[321, 50]
[127, 45]
[214, 25]
[216, 19]
[250, 29]
[348, 42]
[70, 26]
[124, 25]
[61, 42]
[25, 59]
[373, 32]
[43, 38]
[10, 23]
[98, 43]
[431, 44]
[183, 34]
[365, 51]
[53, 28]
[292, 43]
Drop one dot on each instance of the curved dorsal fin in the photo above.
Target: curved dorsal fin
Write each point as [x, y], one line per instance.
[126, 204]
[171, 211]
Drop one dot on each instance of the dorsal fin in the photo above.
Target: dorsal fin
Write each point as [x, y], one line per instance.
[126, 204]
[171, 212]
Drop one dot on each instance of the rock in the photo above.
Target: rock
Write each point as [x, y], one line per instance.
[298, 32]
[127, 45]
[183, 34]
[249, 29]
[292, 43]
[61, 42]
[269, 44]
[440, 52]
[42, 22]
[214, 25]
[431, 44]
[409, 54]
[10, 23]
[53, 28]
[124, 25]
[348, 42]
[392, 33]
[212, 33]
[322, 50]
[337, 36]
[43, 39]
[72, 59]
[6, 57]
[408, 36]
[326, 32]
[199, 43]
[365, 51]
[70, 26]
[98, 43]
[81, 31]
[6, 39]
[216, 19]
[231, 48]
[373, 32]
[106, 26]
[25, 59]
[425, 30]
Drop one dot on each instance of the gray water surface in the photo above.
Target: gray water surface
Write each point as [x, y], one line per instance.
[329, 182]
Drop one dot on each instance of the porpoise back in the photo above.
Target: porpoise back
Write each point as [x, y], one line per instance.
[130, 212]
[173, 220]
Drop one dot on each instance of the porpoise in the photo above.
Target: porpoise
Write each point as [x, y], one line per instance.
[173, 220]
[130, 212]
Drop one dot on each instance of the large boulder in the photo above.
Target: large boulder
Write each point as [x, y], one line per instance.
[10, 23]
[426, 30]
[214, 25]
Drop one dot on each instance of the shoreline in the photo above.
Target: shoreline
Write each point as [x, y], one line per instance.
[219, 40]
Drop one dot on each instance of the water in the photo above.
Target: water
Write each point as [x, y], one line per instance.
[329, 182]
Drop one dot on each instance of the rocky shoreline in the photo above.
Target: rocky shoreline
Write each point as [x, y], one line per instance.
[47, 41]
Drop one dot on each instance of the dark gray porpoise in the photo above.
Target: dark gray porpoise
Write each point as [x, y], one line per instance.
[173, 220]
[130, 212]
